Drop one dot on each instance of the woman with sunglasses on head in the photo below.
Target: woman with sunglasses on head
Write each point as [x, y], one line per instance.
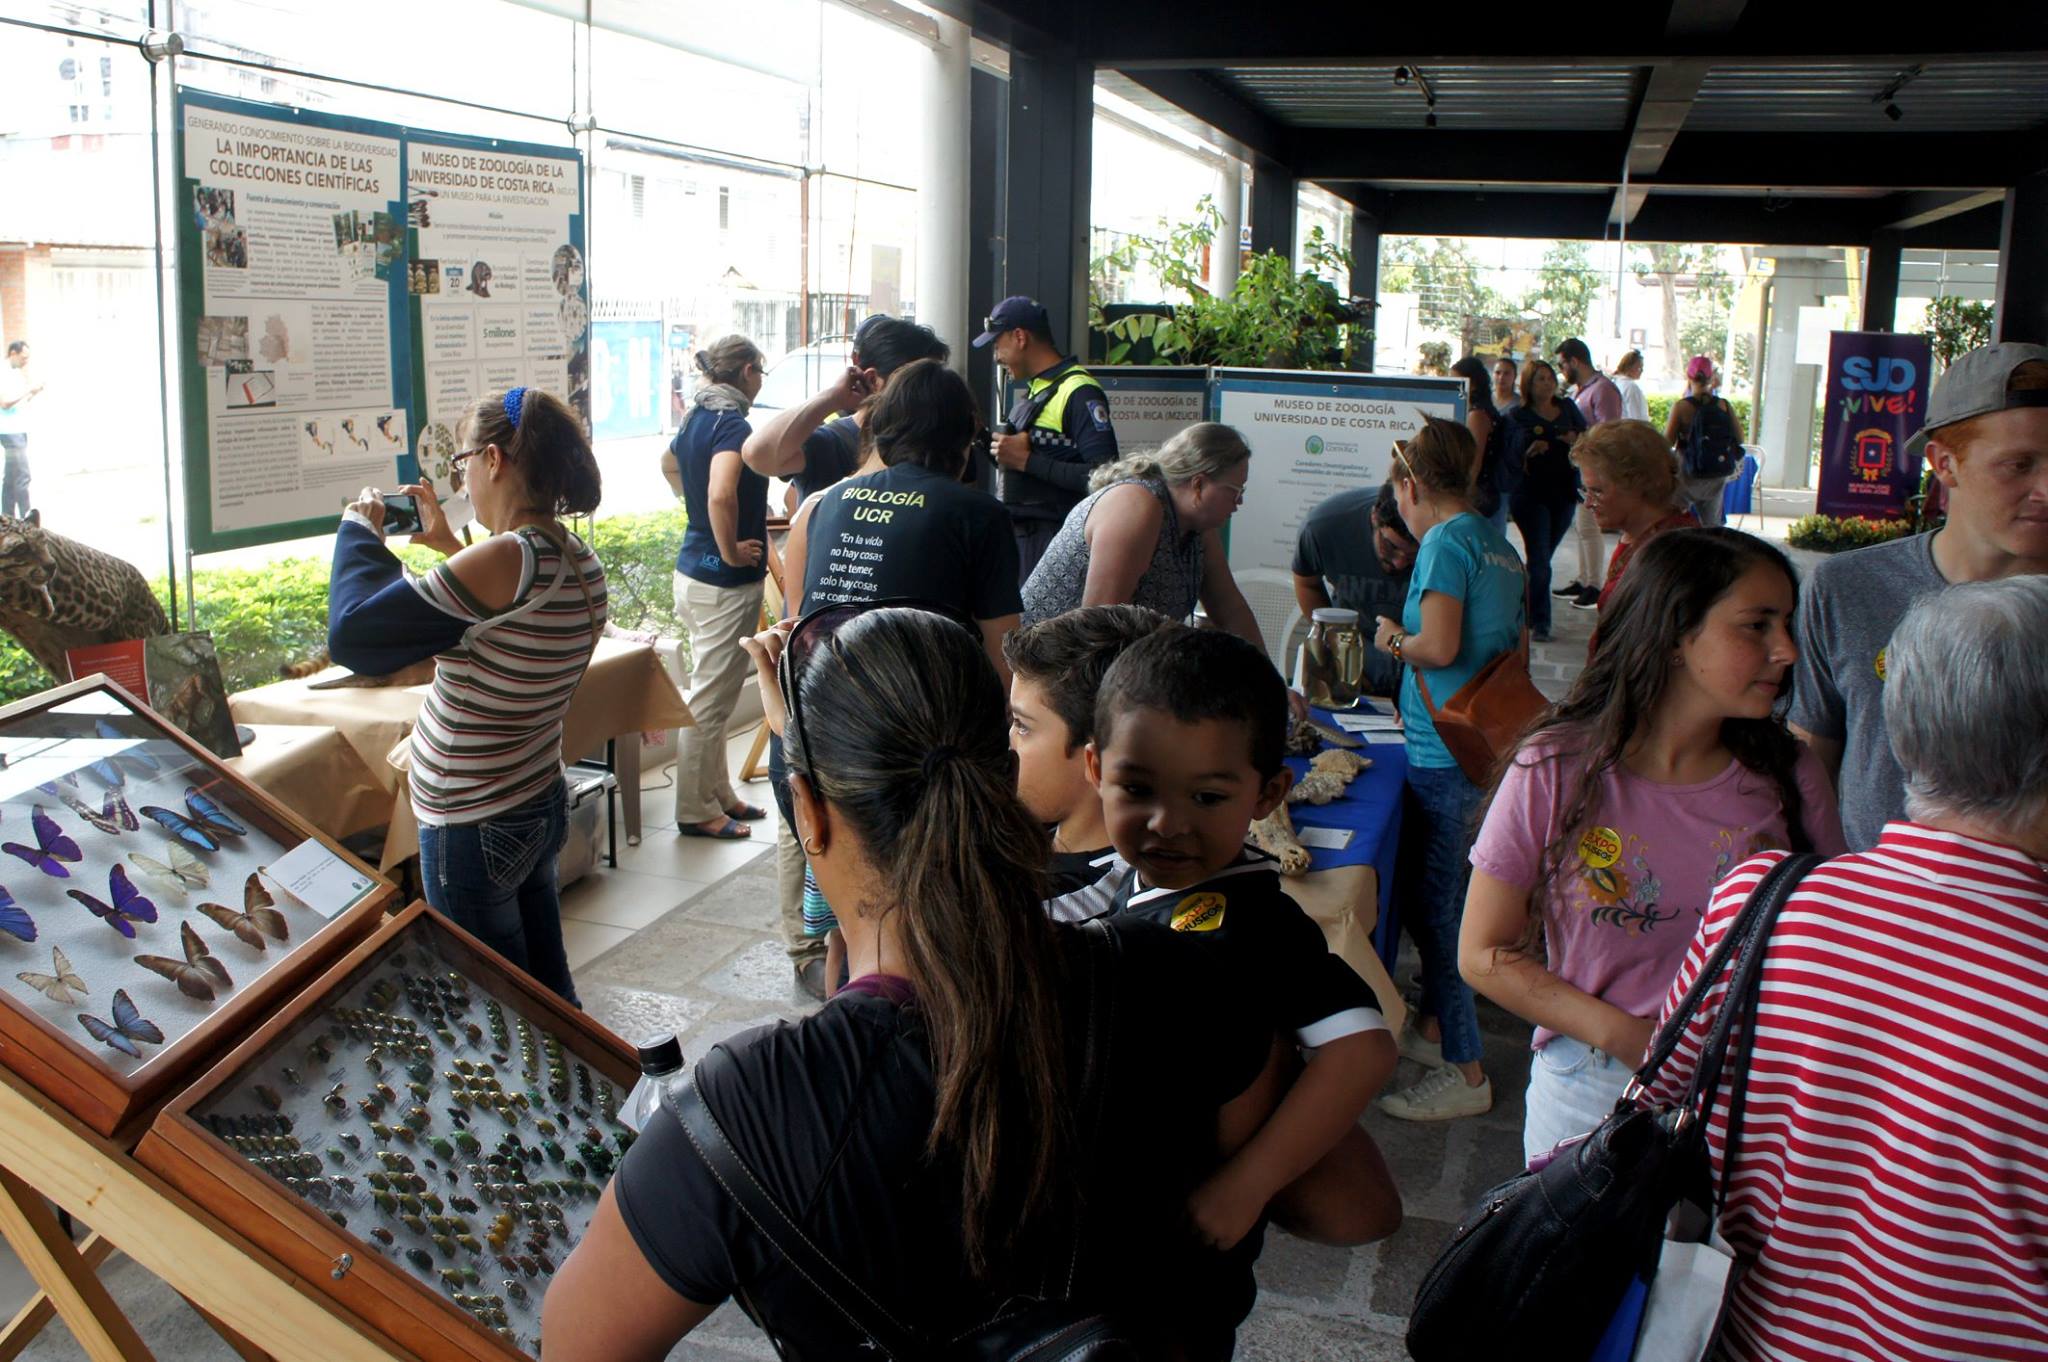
[510, 622]
[926, 1130]
[1540, 434]
[719, 571]
[1464, 609]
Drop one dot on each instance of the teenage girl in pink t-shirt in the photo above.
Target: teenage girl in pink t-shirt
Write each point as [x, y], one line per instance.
[1667, 765]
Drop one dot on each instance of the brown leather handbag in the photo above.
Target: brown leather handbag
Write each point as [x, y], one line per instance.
[1486, 718]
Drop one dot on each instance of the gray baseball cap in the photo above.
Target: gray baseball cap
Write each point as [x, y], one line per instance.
[1977, 383]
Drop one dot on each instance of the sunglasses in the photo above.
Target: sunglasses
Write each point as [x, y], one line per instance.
[1405, 472]
[819, 629]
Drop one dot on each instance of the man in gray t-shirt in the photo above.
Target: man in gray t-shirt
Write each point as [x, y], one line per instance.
[1986, 441]
[1851, 605]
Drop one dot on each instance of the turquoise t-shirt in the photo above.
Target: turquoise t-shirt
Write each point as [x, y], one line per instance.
[1467, 558]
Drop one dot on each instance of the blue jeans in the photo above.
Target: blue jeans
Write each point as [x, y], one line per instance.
[496, 881]
[1572, 1088]
[1544, 521]
[1436, 837]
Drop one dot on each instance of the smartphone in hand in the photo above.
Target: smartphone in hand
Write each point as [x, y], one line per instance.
[402, 513]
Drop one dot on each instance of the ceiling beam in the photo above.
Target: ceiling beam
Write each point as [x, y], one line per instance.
[1668, 217]
[1905, 212]
[1201, 97]
[1737, 160]
[1666, 98]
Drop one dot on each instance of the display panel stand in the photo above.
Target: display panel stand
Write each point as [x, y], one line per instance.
[253, 1303]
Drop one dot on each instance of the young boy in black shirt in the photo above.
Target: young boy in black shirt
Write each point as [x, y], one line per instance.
[1056, 667]
[1190, 733]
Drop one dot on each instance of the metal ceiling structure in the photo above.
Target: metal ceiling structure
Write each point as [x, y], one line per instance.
[1788, 122]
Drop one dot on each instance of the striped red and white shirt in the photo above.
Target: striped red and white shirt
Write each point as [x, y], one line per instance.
[1890, 1192]
[489, 737]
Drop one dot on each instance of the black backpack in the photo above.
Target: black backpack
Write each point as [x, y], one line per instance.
[1711, 447]
[1046, 1330]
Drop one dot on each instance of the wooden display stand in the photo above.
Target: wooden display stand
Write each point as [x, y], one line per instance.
[361, 1281]
[61, 1063]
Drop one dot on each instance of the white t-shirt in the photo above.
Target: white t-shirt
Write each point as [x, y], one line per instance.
[1634, 406]
[14, 386]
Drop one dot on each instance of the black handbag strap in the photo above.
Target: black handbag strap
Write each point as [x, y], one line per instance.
[844, 1293]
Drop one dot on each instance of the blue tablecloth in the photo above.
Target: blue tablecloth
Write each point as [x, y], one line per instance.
[1371, 810]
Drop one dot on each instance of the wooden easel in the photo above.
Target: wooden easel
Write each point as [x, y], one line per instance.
[46, 1156]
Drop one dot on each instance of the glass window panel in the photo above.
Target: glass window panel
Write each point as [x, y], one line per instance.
[868, 127]
[655, 91]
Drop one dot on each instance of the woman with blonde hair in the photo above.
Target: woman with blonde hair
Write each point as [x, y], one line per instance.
[1151, 534]
[719, 570]
[1630, 482]
[1465, 608]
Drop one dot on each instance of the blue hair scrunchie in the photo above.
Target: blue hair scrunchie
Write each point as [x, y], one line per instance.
[515, 402]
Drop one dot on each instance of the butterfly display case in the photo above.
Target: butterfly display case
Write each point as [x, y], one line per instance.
[423, 1135]
[153, 905]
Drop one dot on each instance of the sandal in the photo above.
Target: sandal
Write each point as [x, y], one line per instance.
[747, 813]
[728, 831]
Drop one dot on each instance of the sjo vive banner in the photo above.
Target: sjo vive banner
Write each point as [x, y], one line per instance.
[1877, 398]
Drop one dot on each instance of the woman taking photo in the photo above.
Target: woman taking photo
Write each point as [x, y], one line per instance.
[1541, 433]
[1151, 534]
[510, 623]
[925, 1121]
[1667, 764]
[1465, 608]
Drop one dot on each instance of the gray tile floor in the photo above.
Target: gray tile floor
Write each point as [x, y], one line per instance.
[681, 937]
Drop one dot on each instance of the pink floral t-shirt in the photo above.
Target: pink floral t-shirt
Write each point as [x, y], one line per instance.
[1631, 888]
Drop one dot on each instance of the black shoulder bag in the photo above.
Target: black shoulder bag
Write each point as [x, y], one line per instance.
[1538, 1269]
[1050, 1330]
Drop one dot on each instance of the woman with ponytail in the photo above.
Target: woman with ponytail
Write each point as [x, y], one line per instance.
[923, 1129]
[510, 622]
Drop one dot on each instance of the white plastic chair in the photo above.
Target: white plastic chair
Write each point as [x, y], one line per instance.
[1270, 594]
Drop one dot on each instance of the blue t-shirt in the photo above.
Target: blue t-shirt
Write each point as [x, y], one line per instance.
[1467, 558]
[706, 432]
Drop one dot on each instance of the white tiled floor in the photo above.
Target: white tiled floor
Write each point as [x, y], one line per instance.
[608, 906]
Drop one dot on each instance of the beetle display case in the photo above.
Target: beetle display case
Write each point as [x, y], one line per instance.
[423, 1134]
[153, 904]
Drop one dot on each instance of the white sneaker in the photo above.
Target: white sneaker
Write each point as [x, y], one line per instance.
[1418, 1047]
[1442, 1096]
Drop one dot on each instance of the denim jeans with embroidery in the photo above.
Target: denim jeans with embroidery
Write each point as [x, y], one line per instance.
[496, 881]
[1436, 838]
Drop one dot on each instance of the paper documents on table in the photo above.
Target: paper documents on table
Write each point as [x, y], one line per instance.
[1329, 839]
[1368, 723]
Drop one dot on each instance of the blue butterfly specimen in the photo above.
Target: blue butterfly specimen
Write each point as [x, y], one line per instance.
[114, 814]
[14, 920]
[204, 824]
[53, 846]
[129, 906]
[128, 1027]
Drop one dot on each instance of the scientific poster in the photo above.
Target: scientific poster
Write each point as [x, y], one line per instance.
[1313, 435]
[345, 287]
[287, 252]
[495, 279]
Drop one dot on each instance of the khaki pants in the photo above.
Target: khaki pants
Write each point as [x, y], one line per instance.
[789, 896]
[717, 618]
[1592, 547]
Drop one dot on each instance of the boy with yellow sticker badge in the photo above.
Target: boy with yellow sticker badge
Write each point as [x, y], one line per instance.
[1190, 728]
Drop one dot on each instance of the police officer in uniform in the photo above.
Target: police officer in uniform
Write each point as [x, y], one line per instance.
[1062, 428]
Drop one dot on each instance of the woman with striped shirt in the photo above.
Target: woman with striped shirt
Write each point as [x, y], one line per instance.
[510, 622]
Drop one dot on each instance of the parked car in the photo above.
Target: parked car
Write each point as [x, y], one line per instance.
[799, 374]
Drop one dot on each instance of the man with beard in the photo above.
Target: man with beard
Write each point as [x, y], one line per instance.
[1354, 553]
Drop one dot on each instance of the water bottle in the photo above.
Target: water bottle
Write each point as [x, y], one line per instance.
[660, 1060]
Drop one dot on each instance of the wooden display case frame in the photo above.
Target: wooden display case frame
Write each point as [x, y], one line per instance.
[69, 1071]
[358, 1279]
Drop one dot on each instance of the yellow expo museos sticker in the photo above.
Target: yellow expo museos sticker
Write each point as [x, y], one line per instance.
[1199, 913]
[1600, 847]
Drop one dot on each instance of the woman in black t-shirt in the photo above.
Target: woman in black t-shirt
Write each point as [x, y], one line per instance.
[912, 528]
[921, 1128]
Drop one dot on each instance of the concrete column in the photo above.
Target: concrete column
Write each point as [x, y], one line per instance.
[2023, 263]
[1051, 136]
[942, 196]
[1785, 425]
[987, 183]
[1273, 207]
[1230, 232]
[1365, 272]
[1881, 282]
